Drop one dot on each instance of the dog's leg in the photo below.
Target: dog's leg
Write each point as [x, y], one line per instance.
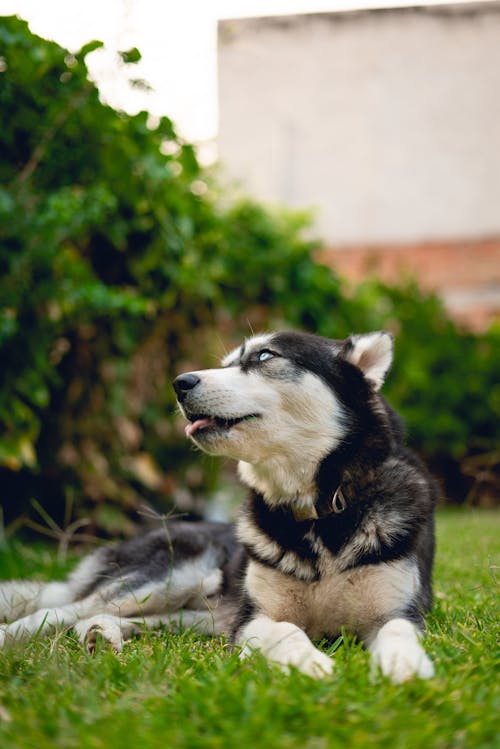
[203, 622]
[396, 650]
[187, 587]
[18, 598]
[39, 623]
[51, 617]
[56, 611]
[284, 643]
[116, 630]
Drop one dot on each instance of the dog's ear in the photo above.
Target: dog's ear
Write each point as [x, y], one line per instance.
[372, 354]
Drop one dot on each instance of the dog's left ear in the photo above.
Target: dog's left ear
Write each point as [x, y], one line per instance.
[372, 354]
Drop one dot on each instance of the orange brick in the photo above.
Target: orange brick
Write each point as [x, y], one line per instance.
[467, 272]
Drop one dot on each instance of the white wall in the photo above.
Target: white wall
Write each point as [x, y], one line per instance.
[388, 122]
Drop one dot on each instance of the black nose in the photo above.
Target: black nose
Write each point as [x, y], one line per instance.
[183, 384]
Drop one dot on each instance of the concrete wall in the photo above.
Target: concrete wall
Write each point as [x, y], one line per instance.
[388, 122]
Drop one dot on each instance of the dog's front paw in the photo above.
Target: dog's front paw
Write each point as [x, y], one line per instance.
[315, 664]
[288, 646]
[102, 627]
[399, 654]
[402, 665]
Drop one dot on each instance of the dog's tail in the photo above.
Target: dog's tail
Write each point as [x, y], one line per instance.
[23, 597]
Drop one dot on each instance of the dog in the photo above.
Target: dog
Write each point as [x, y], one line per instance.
[337, 530]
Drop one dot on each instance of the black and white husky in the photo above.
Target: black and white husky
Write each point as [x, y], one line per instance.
[337, 530]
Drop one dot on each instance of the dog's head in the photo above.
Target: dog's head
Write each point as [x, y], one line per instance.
[288, 398]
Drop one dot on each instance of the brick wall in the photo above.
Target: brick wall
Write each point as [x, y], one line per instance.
[465, 274]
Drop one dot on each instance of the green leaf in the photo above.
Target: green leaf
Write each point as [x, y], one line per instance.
[131, 55]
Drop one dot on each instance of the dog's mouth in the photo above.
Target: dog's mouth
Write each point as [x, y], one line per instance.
[203, 425]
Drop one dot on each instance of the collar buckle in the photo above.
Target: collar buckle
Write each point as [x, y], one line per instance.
[338, 503]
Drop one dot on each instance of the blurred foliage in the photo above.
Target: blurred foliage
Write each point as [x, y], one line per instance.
[122, 260]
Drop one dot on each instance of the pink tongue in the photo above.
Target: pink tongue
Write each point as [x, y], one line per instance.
[190, 429]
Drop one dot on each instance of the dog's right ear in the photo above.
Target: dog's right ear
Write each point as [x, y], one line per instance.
[372, 353]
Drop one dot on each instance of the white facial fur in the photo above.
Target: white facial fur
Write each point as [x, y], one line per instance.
[300, 421]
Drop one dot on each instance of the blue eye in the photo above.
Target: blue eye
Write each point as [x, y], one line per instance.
[265, 355]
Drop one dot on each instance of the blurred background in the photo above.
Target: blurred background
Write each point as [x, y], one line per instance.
[207, 169]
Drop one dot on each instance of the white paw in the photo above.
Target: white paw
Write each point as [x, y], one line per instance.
[103, 626]
[3, 634]
[315, 664]
[288, 646]
[398, 653]
[401, 666]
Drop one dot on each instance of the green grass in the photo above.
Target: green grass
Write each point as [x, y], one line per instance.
[185, 691]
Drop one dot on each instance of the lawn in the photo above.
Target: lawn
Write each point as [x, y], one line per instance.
[184, 691]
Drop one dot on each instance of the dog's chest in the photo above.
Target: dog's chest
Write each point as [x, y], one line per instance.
[356, 599]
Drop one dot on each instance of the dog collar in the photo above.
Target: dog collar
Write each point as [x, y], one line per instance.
[336, 505]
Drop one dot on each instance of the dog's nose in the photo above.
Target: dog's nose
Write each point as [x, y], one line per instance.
[184, 383]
